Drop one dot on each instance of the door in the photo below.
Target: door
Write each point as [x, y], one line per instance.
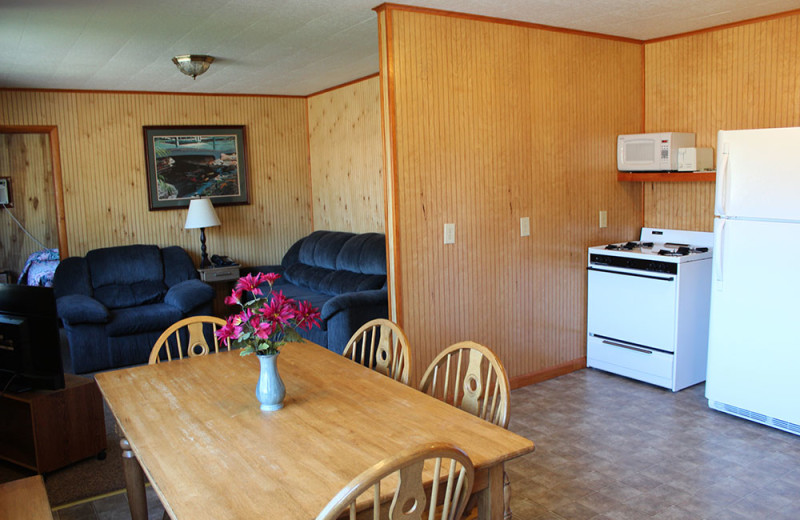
[754, 337]
[758, 173]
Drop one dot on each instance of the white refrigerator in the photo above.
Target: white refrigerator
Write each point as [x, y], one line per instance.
[754, 333]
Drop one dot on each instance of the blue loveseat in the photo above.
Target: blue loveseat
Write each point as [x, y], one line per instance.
[116, 301]
[341, 274]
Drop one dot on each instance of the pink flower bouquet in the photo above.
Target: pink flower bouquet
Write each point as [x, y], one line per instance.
[266, 321]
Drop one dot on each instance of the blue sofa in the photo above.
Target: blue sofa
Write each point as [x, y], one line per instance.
[343, 275]
[116, 301]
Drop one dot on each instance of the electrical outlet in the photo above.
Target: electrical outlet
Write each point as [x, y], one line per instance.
[449, 233]
[603, 219]
[525, 227]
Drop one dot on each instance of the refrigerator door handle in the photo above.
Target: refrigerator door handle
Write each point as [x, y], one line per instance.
[718, 244]
[722, 180]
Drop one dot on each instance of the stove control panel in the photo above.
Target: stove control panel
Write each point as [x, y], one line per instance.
[652, 266]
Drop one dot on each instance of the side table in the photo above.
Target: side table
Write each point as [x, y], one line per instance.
[222, 279]
[45, 430]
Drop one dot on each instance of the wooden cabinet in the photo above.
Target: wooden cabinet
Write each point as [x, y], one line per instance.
[45, 430]
[668, 176]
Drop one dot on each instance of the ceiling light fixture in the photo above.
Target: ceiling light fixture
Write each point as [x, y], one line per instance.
[193, 64]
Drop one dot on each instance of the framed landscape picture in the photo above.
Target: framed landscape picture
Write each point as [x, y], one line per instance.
[186, 162]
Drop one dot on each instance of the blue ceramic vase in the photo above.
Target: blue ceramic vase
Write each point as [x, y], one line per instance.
[270, 390]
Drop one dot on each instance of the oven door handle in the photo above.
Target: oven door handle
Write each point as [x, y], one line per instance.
[668, 279]
[637, 349]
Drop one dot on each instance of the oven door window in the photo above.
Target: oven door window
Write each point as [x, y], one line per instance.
[633, 309]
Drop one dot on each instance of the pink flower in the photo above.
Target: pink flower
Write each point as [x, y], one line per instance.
[235, 298]
[279, 310]
[241, 318]
[228, 332]
[264, 329]
[271, 278]
[250, 283]
[306, 316]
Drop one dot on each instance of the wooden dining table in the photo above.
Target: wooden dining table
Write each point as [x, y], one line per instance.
[194, 429]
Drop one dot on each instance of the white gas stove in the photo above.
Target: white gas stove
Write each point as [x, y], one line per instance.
[648, 303]
[664, 245]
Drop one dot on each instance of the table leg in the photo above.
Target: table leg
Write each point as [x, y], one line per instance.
[490, 500]
[134, 482]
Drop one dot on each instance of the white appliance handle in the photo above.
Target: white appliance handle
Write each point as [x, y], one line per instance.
[717, 254]
[722, 181]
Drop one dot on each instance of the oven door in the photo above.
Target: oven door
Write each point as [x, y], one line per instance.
[632, 306]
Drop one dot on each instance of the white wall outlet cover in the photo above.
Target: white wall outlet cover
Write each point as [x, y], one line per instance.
[603, 219]
[525, 227]
[3, 191]
[449, 233]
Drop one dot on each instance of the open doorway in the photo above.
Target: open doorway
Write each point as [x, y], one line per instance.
[33, 220]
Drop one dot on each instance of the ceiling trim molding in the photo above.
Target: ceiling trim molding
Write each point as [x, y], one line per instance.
[504, 21]
[766, 18]
[146, 92]
[346, 84]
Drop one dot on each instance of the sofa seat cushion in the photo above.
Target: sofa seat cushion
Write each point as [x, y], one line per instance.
[116, 296]
[145, 318]
[330, 282]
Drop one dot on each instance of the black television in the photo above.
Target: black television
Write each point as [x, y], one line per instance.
[30, 350]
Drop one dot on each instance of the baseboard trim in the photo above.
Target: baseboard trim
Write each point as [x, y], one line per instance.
[548, 373]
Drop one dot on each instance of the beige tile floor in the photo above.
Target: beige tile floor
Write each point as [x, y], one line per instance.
[612, 448]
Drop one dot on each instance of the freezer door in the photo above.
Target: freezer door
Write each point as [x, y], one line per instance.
[754, 336]
[758, 173]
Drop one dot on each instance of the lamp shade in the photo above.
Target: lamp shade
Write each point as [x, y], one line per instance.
[201, 214]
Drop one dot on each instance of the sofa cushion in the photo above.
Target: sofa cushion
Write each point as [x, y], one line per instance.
[116, 296]
[145, 318]
[321, 248]
[178, 266]
[125, 265]
[365, 253]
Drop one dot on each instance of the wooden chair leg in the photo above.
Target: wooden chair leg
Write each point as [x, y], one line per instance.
[506, 496]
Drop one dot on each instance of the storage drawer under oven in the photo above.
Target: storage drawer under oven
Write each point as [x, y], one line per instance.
[650, 366]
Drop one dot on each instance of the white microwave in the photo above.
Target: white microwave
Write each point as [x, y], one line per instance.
[651, 152]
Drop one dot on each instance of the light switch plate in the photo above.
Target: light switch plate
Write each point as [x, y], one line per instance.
[603, 219]
[525, 227]
[449, 233]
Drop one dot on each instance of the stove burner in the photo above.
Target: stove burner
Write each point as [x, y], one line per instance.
[681, 251]
[627, 246]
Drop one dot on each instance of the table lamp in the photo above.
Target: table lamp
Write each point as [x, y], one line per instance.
[201, 215]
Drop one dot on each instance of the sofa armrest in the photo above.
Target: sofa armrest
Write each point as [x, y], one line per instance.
[344, 314]
[374, 298]
[79, 308]
[189, 294]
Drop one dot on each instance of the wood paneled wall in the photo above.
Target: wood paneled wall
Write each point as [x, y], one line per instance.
[491, 122]
[25, 158]
[103, 170]
[745, 76]
[346, 160]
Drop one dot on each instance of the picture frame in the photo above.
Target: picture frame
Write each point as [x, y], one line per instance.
[186, 162]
